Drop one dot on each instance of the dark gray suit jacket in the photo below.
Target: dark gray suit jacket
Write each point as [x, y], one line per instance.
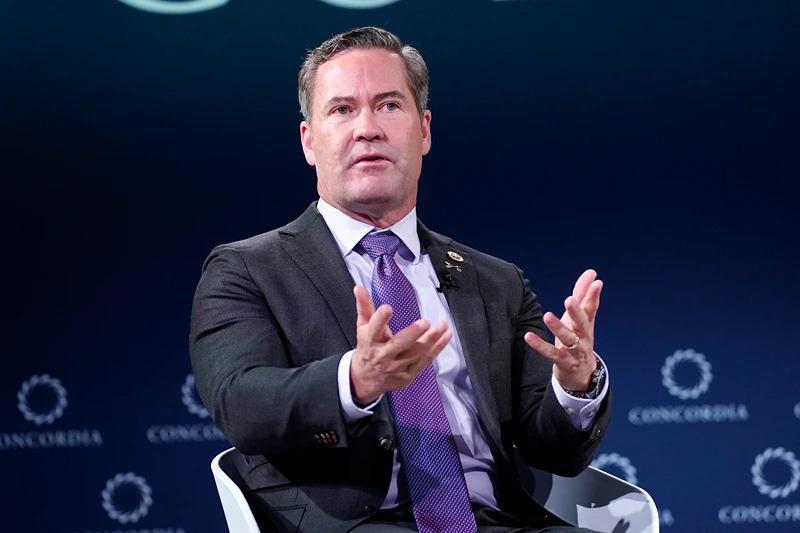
[273, 315]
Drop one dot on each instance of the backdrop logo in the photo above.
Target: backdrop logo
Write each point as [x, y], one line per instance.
[190, 398]
[797, 409]
[188, 7]
[776, 454]
[668, 375]
[783, 512]
[42, 400]
[123, 480]
[605, 460]
[37, 382]
[167, 7]
[687, 414]
[359, 4]
[176, 433]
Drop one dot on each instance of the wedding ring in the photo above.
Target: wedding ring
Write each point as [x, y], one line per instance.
[575, 345]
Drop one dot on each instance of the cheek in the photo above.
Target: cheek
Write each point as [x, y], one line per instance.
[335, 151]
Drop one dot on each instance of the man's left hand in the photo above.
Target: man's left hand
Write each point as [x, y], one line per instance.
[573, 356]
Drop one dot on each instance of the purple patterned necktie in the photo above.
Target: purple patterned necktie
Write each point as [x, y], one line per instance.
[429, 457]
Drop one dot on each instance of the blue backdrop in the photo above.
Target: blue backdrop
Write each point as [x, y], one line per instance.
[656, 142]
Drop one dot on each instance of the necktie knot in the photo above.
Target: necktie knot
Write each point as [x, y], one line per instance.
[378, 244]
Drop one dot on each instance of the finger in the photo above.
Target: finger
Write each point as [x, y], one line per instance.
[566, 319]
[422, 354]
[592, 300]
[580, 322]
[583, 283]
[379, 323]
[440, 345]
[364, 306]
[406, 337]
[426, 341]
[564, 335]
[544, 348]
[427, 357]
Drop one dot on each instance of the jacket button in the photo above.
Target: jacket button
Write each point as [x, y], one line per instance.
[368, 510]
[386, 444]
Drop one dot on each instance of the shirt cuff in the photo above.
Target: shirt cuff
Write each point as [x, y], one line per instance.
[352, 412]
[581, 411]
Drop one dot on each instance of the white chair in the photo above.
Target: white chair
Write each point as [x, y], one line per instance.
[594, 499]
[229, 482]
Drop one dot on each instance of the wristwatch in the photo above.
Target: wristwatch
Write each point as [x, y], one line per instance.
[595, 386]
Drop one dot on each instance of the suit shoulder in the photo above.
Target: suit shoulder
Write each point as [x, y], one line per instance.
[256, 243]
[478, 257]
[270, 241]
[491, 260]
[262, 249]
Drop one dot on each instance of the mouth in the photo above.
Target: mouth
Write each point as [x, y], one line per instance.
[372, 159]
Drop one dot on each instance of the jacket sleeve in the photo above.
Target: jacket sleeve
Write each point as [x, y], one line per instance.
[243, 371]
[544, 435]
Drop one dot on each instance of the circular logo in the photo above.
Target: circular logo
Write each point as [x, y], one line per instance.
[668, 376]
[776, 454]
[189, 400]
[359, 4]
[53, 414]
[166, 7]
[797, 409]
[145, 497]
[605, 460]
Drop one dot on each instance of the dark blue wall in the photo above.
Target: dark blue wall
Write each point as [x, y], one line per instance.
[656, 142]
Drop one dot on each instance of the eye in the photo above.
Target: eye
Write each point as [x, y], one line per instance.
[341, 110]
[391, 106]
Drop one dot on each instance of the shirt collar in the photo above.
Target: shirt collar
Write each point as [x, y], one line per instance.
[348, 231]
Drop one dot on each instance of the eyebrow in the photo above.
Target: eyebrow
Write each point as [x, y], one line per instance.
[377, 97]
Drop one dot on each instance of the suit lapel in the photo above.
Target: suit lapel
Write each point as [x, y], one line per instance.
[309, 241]
[312, 246]
[467, 307]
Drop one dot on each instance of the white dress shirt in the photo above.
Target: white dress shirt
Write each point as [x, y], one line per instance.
[454, 382]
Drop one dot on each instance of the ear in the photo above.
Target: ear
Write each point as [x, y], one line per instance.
[426, 132]
[305, 141]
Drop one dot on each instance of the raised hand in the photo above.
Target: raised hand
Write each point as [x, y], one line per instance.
[383, 362]
[572, 354]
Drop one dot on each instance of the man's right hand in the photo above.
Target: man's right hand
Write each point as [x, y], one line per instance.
[383, 362]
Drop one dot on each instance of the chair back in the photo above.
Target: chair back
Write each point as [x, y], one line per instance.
[594, 499]
[229, 482]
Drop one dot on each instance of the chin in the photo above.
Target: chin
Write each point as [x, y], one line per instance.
[377, 200]
[377, 190]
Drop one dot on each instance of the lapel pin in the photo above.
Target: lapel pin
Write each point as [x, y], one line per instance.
[455, 257]
[449, 265]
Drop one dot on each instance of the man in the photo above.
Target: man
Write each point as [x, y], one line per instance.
[408, 416]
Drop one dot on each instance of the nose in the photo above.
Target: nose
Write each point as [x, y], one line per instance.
[367, 127]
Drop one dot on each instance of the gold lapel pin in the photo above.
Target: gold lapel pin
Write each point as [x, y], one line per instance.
[455, 257]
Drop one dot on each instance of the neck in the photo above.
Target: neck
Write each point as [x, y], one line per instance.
[373, 215]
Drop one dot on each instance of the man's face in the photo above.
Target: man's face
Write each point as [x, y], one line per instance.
[366, 137]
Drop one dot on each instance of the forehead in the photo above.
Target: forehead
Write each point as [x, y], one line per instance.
[361, 72]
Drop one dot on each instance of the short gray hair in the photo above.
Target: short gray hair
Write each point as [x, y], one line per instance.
[366, 37]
